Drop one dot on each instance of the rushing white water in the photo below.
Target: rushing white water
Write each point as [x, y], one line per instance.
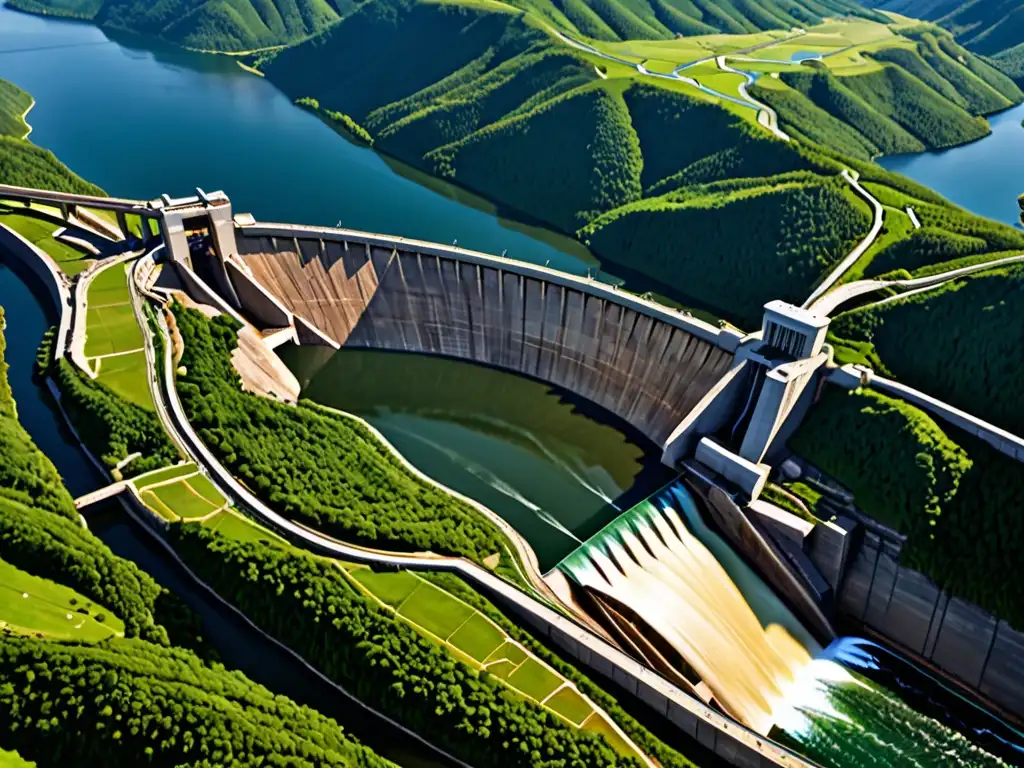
[685, 583]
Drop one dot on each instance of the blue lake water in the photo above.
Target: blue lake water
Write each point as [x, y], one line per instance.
[984, 177]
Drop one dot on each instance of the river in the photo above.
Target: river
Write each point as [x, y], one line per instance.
[140, 120]
[984, 177]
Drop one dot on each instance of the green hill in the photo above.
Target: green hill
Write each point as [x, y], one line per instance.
[992, 28]
[240, 25]
[219, 25]
[925, 93]
[665, 19]
[13, 103]
[22, 163]
[960, 343]
[947, 491]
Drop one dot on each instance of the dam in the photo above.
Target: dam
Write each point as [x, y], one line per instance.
[670, 589]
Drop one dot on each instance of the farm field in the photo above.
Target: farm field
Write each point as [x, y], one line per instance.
[180, 493]
[30, 604]
[40, 232]
[113, 339]
[482, 643]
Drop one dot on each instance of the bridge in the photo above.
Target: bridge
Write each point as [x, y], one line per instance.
[101, 494]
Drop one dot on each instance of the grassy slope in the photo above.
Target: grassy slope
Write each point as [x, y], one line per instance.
[924, 93]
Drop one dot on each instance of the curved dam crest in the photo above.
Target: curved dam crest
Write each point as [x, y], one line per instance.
[649, 372]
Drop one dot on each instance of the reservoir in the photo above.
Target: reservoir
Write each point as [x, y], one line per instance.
[141, 120]
[984, 177]
[557, 467]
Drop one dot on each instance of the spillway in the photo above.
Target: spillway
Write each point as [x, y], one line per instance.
[674, 593]
[650, 565]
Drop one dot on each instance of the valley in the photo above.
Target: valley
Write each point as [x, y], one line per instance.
[560, 381]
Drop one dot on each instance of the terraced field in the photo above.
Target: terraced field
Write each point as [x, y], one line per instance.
[113, 339]
[480, 642]
[180, 493]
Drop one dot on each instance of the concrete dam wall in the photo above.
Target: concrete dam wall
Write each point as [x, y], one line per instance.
[649, 366]
[907, 608]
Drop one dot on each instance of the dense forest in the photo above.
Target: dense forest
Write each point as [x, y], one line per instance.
[949, 493]
[112, 427]
[310, 606]
[245, 25]
[926, 97]
[994, 28]
[13, 103]
[320, 469]
[127, 703]
[960, 343]
[208, 25]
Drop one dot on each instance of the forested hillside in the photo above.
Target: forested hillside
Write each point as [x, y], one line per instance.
[948, 492]
[960, 343]
[637, 169]
[929, 93]
[127, 703]
[241, 25]
[22, 163]
[993, 28]
[217, 25]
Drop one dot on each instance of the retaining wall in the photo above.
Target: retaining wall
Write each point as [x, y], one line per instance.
[958, 637]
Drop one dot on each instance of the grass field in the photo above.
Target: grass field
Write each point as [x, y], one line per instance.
[40, 233]
[162, 475]
[13, 760]
[29, 604]
[234, 526]
[480, 642]
[180, 493]
[113, 339]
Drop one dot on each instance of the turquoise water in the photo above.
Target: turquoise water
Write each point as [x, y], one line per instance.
[984, 177]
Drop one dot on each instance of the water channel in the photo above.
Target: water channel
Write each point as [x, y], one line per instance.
[140, 121]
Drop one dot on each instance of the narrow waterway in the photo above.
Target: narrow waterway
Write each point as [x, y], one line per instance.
[240, 647]
[243, 648]
[984, 177]
[557, 467]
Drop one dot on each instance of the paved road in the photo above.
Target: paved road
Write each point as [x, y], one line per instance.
[843, 266]
[770, 122]
[828, 304]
